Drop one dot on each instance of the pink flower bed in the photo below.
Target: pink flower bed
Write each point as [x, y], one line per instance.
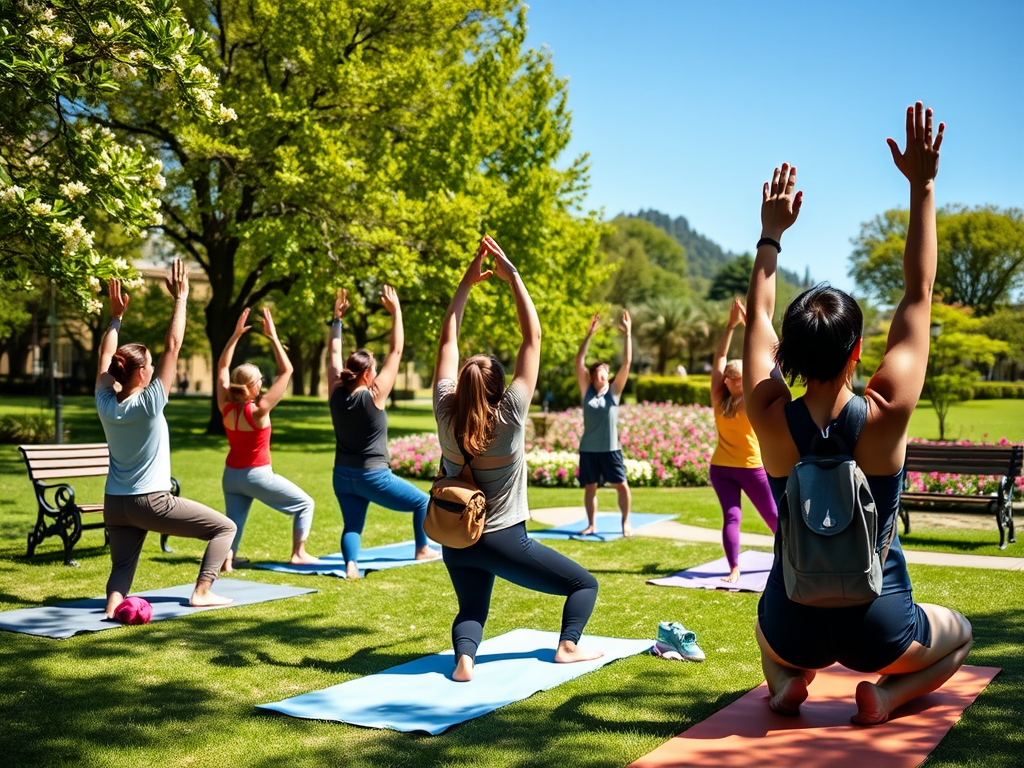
[677, 440]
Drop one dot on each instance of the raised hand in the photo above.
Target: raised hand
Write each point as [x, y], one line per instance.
[919, 162]
[503, 268]
[626, 326]
[177, 280]
[594, 321]
[476, 273]
[737, 314]
[389, 299]
[240, 326]
[268, 325]
[118, 300]
[340, 303]
[780, 206]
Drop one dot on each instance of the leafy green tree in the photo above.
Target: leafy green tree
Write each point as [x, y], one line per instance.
[981, 256]
[732, 279]
[61, 62]
[956, 355]
[647, 263]
[1007, 324]
[671, 326]
[375, 143]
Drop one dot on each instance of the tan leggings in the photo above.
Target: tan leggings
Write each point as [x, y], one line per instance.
[129, 518]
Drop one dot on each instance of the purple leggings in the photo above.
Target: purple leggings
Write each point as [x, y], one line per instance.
[728, 482]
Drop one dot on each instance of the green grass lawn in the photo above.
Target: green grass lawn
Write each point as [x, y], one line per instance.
[183, 692]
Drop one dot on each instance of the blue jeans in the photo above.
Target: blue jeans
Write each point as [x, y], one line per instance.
[356, 488]
[241, 486]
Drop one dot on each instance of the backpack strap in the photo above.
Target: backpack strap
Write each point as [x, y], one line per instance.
[839, 436]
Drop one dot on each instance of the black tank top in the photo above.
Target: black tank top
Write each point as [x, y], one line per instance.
[361, 430]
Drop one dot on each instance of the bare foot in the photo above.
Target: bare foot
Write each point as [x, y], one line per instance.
[569, 652]
[427, 553]
[114, 599]
[733, 576]
[788, 700]
[464, 669]
[871, 707]
[627, 529]
[303, 558]
[352, 570]
[207, 598]
[228, 565]
[587, 531]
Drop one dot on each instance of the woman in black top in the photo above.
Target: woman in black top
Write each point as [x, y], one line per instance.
[362, 469]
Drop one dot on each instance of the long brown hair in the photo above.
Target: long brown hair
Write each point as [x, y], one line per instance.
[358, 362]
[126, 361]
[730, 405]
[477, 394]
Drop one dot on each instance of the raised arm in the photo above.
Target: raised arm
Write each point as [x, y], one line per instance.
[447, 366]
[385, 381]
[528, 358]
[737, 316]
[335, 361]
[222, 382]
[284, 368]
[177, 284]
[780, 206]
[619, 383]
[108, 345]
[896, 385]
[582, 375]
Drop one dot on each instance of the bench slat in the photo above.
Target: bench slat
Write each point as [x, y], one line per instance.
[70, 464]
[48, 474]
[32, 456]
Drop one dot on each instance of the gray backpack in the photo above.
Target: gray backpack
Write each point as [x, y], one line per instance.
[828, 525]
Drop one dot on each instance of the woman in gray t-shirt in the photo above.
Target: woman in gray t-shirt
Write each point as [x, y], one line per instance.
[479, 416]
[600, 452]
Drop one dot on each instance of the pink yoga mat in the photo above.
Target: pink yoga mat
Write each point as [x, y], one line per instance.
[747, 733]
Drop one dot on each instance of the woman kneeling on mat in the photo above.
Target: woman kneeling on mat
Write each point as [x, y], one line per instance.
[130, 402]
[362, 466]
[478, 416]
[600, 452]
[247, 471]
[915, 648]
[736, 463]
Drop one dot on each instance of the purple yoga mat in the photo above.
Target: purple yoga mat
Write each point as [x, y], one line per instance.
[754, 568]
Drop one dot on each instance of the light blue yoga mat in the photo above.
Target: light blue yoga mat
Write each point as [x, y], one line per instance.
[372, 559]
[608, 527]
[421, 696]
[67, 620]
[754, 569]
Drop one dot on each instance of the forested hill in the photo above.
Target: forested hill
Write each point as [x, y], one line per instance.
[704, 257]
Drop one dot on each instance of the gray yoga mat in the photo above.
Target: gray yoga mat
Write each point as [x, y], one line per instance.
[68, 619]
[608, 527]
[754, 570]
[380, 558]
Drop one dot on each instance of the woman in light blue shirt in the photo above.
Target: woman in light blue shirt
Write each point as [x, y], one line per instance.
[130, 402]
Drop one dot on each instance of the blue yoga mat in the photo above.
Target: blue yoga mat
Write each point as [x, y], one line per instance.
[421, 696]
[754, 569]
[608, 527]
[373, 559]
[67, 620]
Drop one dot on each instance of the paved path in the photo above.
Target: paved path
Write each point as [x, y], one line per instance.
[672, 530]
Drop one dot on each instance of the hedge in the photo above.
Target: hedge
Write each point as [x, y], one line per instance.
[673, 389]
[998, 390]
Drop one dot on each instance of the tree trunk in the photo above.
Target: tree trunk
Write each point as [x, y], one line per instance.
[314, 367]
[298, 364]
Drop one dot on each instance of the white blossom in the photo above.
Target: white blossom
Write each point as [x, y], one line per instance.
[39, 208]
[74, 190]
[93, 306]
[13, 192]
[227, 114]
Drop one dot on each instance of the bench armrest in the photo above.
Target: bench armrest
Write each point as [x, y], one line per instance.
[63, 496]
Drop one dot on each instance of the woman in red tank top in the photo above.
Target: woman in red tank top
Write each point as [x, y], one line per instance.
[248, 474]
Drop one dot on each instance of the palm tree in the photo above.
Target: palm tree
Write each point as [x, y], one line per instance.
[670, 325]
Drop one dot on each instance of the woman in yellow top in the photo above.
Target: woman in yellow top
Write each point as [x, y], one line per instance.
[736, 463]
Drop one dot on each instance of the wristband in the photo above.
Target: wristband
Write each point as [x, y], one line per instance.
[769, 241]
[115, 324]
[334, 320]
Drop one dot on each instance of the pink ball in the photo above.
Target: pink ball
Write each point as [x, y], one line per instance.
[134, 610]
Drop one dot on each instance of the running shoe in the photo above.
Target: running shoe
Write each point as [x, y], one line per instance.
[679, 639]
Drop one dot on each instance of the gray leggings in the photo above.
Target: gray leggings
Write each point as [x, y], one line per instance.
[241, 486]
[129, 518]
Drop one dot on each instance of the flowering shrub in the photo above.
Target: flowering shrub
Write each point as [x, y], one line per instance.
[936, 482]
[416, 456]
[676, 440]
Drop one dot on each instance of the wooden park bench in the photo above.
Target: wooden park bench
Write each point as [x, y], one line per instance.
[57, 502]
[1003, 462]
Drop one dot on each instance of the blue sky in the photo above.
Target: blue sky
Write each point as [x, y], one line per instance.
[686, 107]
